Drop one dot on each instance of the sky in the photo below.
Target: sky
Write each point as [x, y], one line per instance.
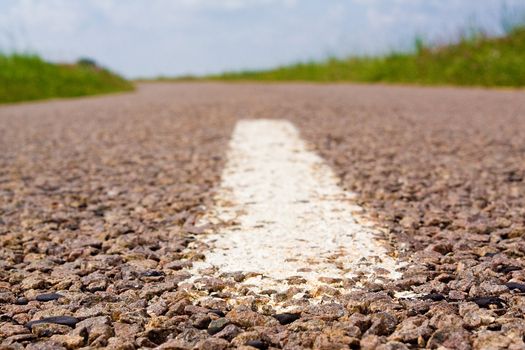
[148, 38]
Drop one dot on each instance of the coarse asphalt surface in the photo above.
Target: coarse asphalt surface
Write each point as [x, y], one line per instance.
[100, 197]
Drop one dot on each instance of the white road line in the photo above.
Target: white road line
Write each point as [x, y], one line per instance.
[291, 217]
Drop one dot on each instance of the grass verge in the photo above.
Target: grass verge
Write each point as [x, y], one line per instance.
[28, 77]
[478, 61]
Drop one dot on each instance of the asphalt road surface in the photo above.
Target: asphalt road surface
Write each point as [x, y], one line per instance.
[116, 225]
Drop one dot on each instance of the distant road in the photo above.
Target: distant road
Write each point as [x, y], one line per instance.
[127, 218]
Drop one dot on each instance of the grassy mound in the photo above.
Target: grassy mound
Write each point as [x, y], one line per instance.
[481, 61]
[28, 77]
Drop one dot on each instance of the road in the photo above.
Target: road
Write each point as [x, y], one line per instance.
[110, 218]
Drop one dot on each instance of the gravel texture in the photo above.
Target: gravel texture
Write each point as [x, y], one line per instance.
[100, 197]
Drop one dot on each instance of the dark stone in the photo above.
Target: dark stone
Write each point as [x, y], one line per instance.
[229, 332]
[507, 268]
[62, 320]
[286, 318]
[485, 302]
[516, 286]
[514, 176]
[434, 297]
[200, 321]
[21, 301]
[5, 318]
[217, 312]
[158, 336]
[48, 297]
[153, 273]
[258, 344]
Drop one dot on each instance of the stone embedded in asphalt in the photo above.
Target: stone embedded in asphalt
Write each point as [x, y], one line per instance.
[7, 298]
[412, 330]
[516, 286]
[69, 341]
[213, 343]
[450, 338]
[486, 302]
[229, 332]
[434, 297]
[153, 273]
[211, 284]
[383, 323]
[217, 312]
[217, 325]
[200, 321]
[48, 297]
[244, 317]
[8, 330]
[98, 329]
[21, 301]
[258, 344]
[178, 265]
[49, 329]
[326, 312]
[62, 320]
[18, 338]
[286, 318]
[507, 268]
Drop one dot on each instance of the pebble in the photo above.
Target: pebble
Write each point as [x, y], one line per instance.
[217, 325]
[200, 321]
[488, 301]
[507, 268]
[383, 323]
[21, 301]
[520, 287]
[153, 273]
[217, 312]
[286, 318]
[258, 344]
[246, 318]
[7, 298]
[434, 297]
[48, 297]
[178, 265]
[61, 320]
[48, 329]
[229, 332]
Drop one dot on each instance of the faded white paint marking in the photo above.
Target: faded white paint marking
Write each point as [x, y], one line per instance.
[290, 217]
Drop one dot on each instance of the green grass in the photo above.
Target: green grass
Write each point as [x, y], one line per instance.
[479, 61]
[28, 77]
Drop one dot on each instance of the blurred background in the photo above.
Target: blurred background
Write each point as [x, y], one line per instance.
[187, 38]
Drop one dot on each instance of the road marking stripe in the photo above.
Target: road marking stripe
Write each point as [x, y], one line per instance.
[290, 216]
